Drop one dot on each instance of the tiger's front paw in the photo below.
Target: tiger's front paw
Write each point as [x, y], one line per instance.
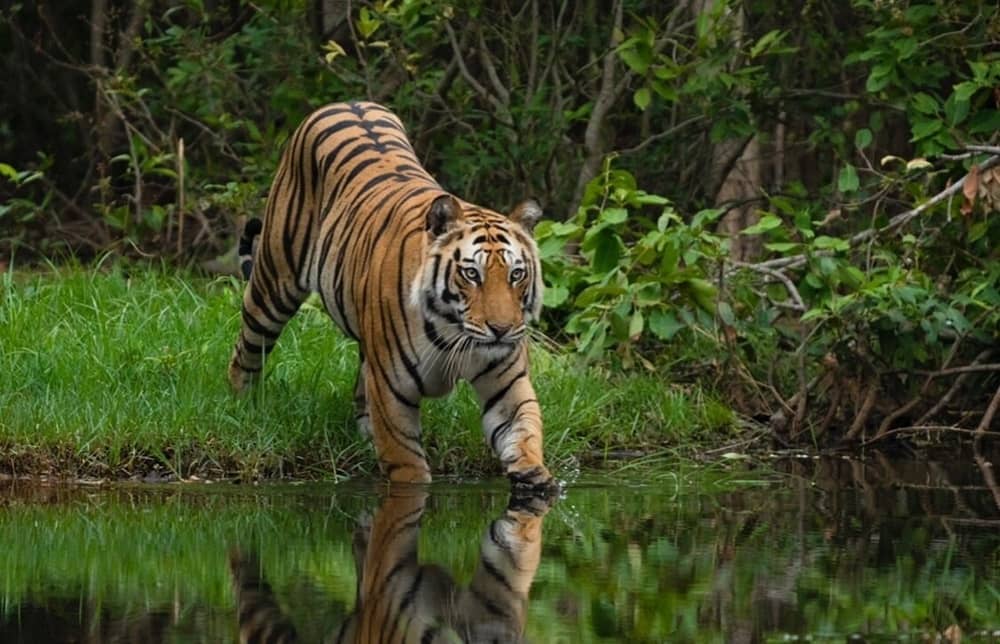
[408, 474]
[533, 479]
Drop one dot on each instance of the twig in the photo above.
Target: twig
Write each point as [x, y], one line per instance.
[972, 368]
[903, 218]
[986, 469]
[988, 416]
[931, 375]
[988, 149]
[662, 135]
[928, 428]
[476, 86]
[939, 405]
[491, 71]
[778, 275]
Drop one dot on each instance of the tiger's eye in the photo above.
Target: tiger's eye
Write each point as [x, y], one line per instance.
[470, 274]
[516, 275]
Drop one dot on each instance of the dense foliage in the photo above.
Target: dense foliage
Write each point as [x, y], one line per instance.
[794, 201]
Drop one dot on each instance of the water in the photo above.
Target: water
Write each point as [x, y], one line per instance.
[826, 550]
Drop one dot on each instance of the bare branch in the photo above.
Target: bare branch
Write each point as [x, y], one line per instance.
[897, 221]
[606, 98]
[476, 86]
[904, 218]
[990, 413]
[491, 71]
[799, 305]
[972, 368]
[662, 135]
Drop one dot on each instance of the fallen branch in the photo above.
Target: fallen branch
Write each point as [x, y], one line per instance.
[972, 368]
[939, 405]
[931, 375]
[928, 428]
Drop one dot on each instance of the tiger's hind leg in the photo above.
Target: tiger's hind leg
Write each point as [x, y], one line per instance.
[268, 304]
[361, 415]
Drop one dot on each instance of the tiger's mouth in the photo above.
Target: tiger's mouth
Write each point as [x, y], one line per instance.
[492, 339]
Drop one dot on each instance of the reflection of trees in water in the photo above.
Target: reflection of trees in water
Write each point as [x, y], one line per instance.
[834, 547]
[400, 599]
[838, 546]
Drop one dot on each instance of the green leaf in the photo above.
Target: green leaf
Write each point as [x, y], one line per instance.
[956, 109]
[905, 47]
[707, 216]
[702, 292]
[8, 171]
[862, 138]
[766, 223]
[923, 128]
[925, 103]
[879, 77]
[984, 122]
[563, 229]
[813, 314]
[367, 23]
[726, 313]
[666, 91]
[664, 324]
[977, 231]
[824, 242]
[771, 37]
[614, 216]
[635, 326]
[645, 199]
[641, 98]
[637, 55]
[848, 179]
[607, 251]
[964, 91]
[555, 296]
[783, 247]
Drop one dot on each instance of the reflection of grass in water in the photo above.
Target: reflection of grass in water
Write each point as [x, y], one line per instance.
[644, 564]
[108, 374]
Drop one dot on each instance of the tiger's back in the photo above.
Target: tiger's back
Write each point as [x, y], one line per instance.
[354, 216]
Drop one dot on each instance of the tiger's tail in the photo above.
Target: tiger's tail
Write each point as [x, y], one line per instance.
[245, 249]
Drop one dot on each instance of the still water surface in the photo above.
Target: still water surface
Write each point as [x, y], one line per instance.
[825, 550]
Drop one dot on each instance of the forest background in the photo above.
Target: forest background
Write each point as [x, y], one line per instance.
[793, 204]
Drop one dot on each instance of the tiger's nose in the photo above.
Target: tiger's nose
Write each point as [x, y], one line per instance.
[499, 329]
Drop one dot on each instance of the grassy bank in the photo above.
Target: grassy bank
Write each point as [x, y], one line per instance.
[122, 373]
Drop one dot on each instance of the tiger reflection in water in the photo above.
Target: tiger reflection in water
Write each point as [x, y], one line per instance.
[400, 600]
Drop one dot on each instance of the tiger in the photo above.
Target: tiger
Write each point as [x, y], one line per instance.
[399, 599]
[433, 288]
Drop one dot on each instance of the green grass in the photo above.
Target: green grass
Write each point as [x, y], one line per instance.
[111, 373]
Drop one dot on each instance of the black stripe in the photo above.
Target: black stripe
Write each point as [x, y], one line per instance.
[503, 392]
[488, 603]
[495, 573]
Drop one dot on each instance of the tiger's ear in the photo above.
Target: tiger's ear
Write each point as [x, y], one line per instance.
[527, 213]
[444, 213]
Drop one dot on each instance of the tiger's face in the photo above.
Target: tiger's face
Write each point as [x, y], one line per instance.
[482, 280]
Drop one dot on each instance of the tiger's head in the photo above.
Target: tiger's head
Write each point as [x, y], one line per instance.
[482, 279]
